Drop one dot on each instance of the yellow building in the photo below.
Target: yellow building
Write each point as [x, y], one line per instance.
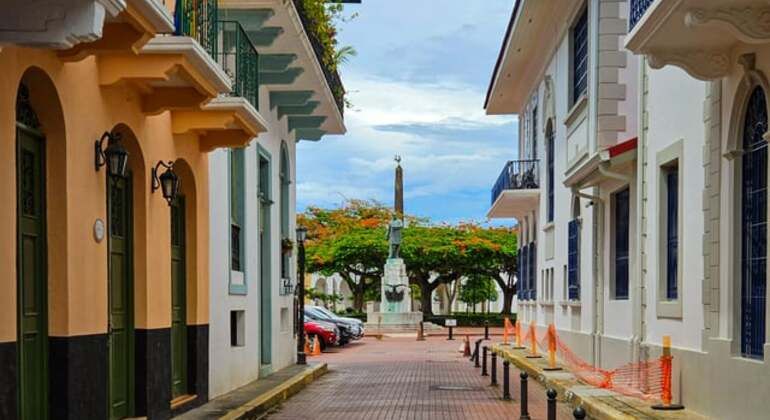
[83, 240]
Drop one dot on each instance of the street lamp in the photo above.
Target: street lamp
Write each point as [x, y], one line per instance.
[114, 156]
[168, 181]
[301, 236]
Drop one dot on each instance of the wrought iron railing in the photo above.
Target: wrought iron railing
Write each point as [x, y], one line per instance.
[240, 60]
[198, 19]
[332, 76]
[636, 9]
[517, 175]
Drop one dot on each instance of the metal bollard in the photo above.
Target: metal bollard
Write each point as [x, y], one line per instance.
[484, 362]
[450, 334]
[579, 413]
[476, 353]
[494, 369]
[486, 330]
[551, 394]
[506, 380]
[524, 404]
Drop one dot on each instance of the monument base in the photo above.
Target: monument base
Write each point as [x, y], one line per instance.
[393, 321]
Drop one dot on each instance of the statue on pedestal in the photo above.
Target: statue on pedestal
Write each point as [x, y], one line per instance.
[394, 239]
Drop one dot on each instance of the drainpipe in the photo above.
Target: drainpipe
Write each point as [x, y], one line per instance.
[597, 315]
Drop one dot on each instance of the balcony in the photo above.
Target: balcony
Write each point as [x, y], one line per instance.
[517, 190]
[240, 60]
[198, 20]
[699, 36]
[636, 9]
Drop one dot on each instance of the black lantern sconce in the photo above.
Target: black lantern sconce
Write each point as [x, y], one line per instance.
[168, 181]
[114, 156]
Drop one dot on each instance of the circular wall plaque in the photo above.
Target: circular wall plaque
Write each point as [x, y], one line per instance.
[99, 230]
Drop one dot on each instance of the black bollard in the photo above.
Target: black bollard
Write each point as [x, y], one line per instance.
[551, 394]
[450, 334]
[484, 362]
[524, 409]
[579, 413]
[494, 369]
[486, 330]
[476, 353]
[506, 380]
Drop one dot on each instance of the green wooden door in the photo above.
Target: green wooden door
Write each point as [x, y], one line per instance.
[178, 301]
[121, 340]
[31, 270]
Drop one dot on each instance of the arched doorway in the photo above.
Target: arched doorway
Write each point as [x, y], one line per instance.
[122, 245]
[753, 226]
[183, 282]
[32, 263]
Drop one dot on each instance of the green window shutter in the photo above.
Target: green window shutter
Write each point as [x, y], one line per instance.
[237, 193]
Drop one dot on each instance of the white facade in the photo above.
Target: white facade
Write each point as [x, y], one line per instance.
[675, 118]
[252, 203]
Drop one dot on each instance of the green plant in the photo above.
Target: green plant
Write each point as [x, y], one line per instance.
[321, 20]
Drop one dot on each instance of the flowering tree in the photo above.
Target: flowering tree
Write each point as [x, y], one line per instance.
[351, 241]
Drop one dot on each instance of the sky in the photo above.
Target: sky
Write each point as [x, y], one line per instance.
[417, 87]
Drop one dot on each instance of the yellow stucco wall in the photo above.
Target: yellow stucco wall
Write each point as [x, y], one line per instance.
[76, 195]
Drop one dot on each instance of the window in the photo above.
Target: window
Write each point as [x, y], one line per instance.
[622, 219]
[285, 182]
[573, 260]
[754, 227]
[532, 254]
[550, 173]
[580, 57]
[237, 329]
[672, 232]
[534, 130]
[237, 192]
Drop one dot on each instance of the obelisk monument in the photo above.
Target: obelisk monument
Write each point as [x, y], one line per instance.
[396, 302]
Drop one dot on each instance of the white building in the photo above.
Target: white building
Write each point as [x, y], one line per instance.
[641, 185]
[252, 198]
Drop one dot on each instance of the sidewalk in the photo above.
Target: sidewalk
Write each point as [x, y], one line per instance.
[255, 399]
[398, 378]
[599, 403]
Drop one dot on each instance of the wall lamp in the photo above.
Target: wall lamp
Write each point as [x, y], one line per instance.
[114, 156]
[168, 181]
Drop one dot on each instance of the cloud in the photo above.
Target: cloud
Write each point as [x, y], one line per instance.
[452, 152]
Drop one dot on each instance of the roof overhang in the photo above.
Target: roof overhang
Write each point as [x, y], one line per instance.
[699, 36]
[293, 40]
[533, 33]
[514, 204]
[611, 163]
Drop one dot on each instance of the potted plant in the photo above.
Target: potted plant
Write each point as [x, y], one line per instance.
[287, 245]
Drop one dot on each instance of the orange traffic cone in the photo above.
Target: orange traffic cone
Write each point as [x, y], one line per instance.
[316, 347]
[307, 345]
[467, 350]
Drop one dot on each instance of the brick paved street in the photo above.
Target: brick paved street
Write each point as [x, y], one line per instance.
[400, 378]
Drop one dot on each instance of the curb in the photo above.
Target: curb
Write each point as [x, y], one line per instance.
[260, 405]
[595, 407]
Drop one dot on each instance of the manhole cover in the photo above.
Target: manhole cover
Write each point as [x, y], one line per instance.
[455, 388]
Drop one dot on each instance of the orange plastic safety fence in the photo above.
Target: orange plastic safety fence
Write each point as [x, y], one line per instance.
[648, 380]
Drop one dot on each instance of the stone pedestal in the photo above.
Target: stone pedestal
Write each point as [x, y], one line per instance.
[395, 312]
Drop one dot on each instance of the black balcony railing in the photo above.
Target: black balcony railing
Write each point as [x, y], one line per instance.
[332, 76]
[517, 175]
[198, 19]
[240, 60]
[637, 8]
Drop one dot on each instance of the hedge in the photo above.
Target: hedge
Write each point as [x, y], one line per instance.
[471, 319]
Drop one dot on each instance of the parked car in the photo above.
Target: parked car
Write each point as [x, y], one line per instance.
[358, 330]
[347, 330]
[327, 332]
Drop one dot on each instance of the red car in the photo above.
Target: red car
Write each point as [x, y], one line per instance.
[328, 332]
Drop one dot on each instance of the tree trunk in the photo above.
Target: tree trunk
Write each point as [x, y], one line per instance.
[358, 299]
[426, 292]
[508, 294]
